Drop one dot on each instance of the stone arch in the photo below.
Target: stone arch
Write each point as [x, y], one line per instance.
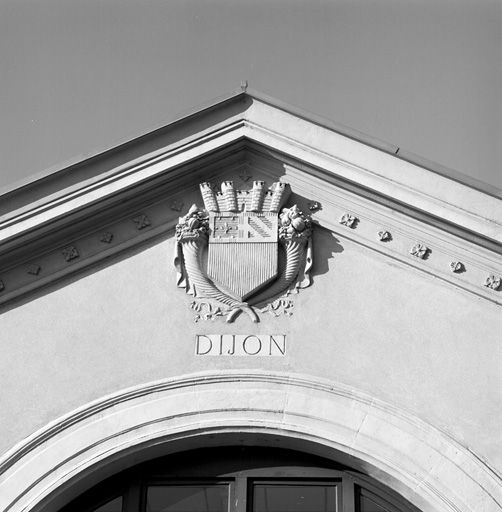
[322, 417]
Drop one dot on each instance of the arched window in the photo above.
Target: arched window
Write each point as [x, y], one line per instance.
[239, 479]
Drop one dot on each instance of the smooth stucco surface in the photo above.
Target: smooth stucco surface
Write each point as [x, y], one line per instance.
[369, 322]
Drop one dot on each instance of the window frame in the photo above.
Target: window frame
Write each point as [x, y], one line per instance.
[178, 469]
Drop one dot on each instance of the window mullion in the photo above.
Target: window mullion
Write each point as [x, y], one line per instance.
[132, 497]
[348, 494]
[239, 503]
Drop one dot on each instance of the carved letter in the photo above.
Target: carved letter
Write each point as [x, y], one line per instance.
[197, 349]
[245, 348]
[233, 346]
[282, 349]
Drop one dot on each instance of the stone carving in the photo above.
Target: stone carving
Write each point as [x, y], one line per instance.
[224, 345]
[206, 311]
[228, 254]
[493, 282]
[34, 269]
[349, 220]
[457, 266]
[106, 237]
[245, 176]
[141, 221]
[419, 251]
[282, 306]
[177, 206]
[70, 253]
[384, 236]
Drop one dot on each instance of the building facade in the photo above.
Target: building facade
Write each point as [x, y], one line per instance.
[251, 309]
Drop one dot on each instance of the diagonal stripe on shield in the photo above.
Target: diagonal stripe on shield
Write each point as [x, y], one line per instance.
[242, 251]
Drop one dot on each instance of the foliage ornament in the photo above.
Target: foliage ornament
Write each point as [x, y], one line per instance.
[349, 220]
[419, 251]
[384, 236]
[243, 251]
[493, 282]
[457, 266]
[34, 269]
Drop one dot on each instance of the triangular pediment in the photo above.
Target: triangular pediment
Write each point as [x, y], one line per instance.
[349, 185]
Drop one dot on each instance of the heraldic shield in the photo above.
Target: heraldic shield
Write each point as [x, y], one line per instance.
[242, 251]
[228, 253]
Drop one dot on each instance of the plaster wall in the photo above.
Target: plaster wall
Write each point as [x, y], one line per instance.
[371, 323]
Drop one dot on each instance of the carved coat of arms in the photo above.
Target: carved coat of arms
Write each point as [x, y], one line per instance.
[244, 250]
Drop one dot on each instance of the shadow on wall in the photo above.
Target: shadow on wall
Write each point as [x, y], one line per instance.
[88, 270]
[326, 245]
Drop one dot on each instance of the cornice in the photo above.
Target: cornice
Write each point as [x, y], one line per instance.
[212, 128]
[126, 177]
[154, 213]
[387, 176]
[380, 227]
[386, 147]
[462, 240]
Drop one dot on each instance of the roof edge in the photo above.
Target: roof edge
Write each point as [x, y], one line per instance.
[239, 93]
[66, 166]
[381, 145]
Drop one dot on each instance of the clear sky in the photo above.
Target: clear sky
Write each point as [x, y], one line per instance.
[79, 76]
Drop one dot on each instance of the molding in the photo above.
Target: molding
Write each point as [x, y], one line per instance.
[154, 213]
[422, 463]
[338, 155]
[338, 207]
[377, 199]
[80, 197]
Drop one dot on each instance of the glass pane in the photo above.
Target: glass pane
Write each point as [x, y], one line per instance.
[368, 505]
[112, 506]
[294, 498]
[187, 498]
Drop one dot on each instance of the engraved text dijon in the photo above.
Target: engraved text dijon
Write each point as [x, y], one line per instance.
[240, 345]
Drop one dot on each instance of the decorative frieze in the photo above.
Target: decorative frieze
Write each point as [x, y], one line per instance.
[464, 265]
[141, 221]
[106, 237]
[457, 267]
[245, 175]
[349, 220]
[493, 282]
[384, 236]
[177, 205]
[34, 269]
[70, 253]
[420, 251]
[435, 254]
